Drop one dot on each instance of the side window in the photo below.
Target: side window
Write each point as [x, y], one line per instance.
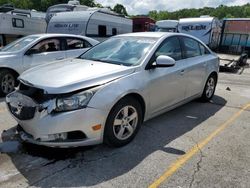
[204, 50]
[102, 31]
[74, 43]
[191, 47]
[170, 47]
[48, 45]
[16, 22]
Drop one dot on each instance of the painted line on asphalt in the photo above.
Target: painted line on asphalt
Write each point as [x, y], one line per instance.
[195, 149]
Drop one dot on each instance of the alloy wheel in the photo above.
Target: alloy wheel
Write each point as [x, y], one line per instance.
[125, 122]
[210, 87]
[8, 83]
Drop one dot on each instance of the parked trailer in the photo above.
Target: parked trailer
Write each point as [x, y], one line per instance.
[71, 6]
[207, 29]
[167, 25]
[16, 23]
[98, 23]
[235, 35]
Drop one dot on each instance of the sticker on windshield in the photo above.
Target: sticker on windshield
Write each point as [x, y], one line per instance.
[28, 40]
[149, 41]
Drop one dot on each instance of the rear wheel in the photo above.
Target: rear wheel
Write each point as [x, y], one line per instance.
[123, 122]
[209, 88]
[7, 82]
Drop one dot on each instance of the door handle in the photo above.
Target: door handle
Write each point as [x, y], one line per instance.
[59, 58]
[182, 72]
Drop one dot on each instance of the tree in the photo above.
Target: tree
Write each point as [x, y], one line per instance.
[120, 9]
[221, 12]
[153, 14]
[42, 5]
[89, 3]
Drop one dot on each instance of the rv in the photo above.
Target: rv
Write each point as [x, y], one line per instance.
[71, 6]
[167, 25]
[98, 23]
[205, 28]
[16, 23]
[235, 35]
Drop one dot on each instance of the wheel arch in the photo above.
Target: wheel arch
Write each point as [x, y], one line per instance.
[215, 74]
[135, 96]
[140, 99]
[15, 73]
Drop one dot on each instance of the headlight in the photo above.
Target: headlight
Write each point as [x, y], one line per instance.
[74, 102]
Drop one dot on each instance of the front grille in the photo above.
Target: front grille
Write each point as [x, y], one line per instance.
[24, 102]
[36, 94]
[21, 106]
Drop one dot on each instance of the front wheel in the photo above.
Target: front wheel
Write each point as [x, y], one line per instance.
[123, 122]
[209, 88]
[7, 82]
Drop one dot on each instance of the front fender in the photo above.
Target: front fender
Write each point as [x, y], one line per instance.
[12, 63]
[111, 93]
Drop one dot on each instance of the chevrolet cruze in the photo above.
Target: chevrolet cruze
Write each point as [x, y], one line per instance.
[109, 91]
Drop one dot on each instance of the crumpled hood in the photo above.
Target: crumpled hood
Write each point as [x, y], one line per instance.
[72, 74]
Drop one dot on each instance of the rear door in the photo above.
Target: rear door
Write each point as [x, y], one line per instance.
[45, 51]
[76, 46]
[196, 58]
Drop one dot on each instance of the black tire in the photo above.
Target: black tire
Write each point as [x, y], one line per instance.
[3, 90]
[110, 137]
[206, 97]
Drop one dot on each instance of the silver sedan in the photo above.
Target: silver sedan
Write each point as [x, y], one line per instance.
[109, 91]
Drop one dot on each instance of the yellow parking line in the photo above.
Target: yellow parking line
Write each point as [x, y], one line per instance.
[182, 160]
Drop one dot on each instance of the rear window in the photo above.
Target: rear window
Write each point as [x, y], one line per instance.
[204, 50]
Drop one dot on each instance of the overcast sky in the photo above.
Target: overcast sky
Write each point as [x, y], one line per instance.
[144, 6]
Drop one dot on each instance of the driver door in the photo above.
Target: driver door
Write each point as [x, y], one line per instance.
[167, 86]
[44, 51]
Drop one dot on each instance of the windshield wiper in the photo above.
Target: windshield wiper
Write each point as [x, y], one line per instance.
[106, 61]
[91, 59]
[111, 61]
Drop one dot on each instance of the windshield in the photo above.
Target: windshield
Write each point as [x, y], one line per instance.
[18, 44]
[121, 50]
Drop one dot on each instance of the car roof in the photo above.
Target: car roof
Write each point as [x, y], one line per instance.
[48, 35]
[55, 35]
[155, 34]
[147, 34]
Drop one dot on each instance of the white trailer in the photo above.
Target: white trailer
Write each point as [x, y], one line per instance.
[98, 23]
[15, 23]
[207, 29]
[167, 25]
[72, 5]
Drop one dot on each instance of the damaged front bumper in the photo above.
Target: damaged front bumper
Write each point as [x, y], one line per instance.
[38, 124]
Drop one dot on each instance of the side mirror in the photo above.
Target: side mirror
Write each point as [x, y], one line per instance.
[164, 61]
[31, 52]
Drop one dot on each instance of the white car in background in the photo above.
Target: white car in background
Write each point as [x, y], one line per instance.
[34, 50]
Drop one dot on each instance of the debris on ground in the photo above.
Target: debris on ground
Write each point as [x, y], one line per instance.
[234, 65]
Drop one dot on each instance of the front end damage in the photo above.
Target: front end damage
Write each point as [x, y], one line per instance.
[40, 123]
